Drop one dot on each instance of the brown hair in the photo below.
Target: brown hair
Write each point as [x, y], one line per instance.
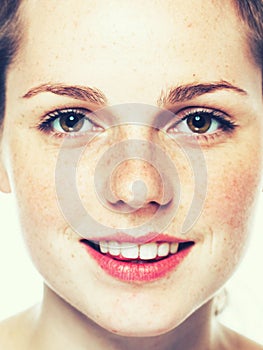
[250, 11]
[9, 40]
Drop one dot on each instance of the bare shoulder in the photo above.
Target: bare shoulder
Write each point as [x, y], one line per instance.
[233, 340]
[16, 331]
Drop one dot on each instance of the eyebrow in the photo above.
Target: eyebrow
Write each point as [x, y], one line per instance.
[77, 92]
[188, 92]
[181, 93]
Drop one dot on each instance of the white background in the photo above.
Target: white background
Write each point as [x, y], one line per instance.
[21, 285]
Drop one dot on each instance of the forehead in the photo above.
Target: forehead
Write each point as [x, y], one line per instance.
[93, 42]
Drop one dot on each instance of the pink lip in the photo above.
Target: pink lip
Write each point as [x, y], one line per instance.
[130, 271]
[150, 237]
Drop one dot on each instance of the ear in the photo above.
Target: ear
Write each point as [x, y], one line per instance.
[4, 179]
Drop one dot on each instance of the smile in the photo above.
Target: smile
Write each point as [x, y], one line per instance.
[130, 261]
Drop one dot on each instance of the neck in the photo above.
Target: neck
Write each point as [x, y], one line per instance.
[59, 326]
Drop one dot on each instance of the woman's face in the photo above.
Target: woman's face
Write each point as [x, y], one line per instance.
[133, 53]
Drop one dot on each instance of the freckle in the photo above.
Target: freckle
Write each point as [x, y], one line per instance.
[73, 256]
[68, 232]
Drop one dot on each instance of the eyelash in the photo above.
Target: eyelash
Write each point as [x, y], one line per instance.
[83, 114]
[226, 125]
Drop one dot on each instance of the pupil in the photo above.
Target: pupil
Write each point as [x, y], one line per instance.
[71, 121]
[199, 122]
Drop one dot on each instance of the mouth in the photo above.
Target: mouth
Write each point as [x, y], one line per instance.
[130, 261]
[137, 253]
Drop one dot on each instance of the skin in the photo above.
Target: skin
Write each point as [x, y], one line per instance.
[131, 57]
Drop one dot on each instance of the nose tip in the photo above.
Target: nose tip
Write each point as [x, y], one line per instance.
[137, 183]
[137, 197]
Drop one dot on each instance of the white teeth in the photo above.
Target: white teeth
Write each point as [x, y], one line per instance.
[114, 248]
[146, 251]
[163, 249]
[104, 246]
[129, 250]
[174, 247]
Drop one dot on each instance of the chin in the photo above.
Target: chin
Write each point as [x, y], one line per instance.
[140, 332]
[145, 327]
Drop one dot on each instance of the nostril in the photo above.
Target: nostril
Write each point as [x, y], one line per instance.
[124, 208]
[137, 196]
[134, 194]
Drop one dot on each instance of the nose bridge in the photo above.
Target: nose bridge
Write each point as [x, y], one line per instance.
[139, 142]
[138, 155]
[135, 121]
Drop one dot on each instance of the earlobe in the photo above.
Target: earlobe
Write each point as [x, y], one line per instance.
[4, 180]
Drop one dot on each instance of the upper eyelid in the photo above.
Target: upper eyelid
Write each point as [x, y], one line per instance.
[191, 110]
[57, 113]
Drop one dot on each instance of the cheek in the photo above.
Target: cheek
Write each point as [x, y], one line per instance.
[42, 223]
[233, 186]
[232, 193]
[33, 182]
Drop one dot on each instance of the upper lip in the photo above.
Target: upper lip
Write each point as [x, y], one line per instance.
[148, 238]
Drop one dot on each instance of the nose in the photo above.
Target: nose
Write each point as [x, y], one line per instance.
[136, 172]
[137, 183]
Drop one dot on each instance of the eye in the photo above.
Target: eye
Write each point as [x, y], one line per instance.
[201, 121]
[69, 121]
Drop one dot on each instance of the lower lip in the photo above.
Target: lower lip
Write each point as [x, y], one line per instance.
[134, 272]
